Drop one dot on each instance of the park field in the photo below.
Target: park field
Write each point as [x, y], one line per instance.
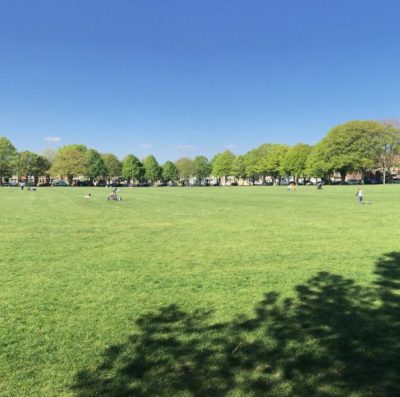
[240, 291]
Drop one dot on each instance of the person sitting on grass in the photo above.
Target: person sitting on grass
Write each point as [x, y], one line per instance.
[87, 196]
[114, 195]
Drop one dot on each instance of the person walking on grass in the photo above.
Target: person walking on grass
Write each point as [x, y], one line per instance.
[359, 195]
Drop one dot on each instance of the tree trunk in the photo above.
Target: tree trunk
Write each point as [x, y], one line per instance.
[343, 176]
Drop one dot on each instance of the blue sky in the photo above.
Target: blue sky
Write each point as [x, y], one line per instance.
[185, 77]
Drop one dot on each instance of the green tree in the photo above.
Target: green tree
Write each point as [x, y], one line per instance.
[251, 163]
[240, 167]
[389, 148]
[113, 166]
[316, 163]
[95, 166]
[185, 169]
[352, 147]
[70, 161]
[152, 170]
[8, 157]
[32, 164]
[132, 168]
[294, 162]
[170, 172]
[273, 161]
[201, 168]
[223, 164]
[265, 160]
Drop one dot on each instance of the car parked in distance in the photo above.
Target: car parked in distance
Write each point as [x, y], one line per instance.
[60, 183]
[284, 182]
[353, 182]
[370, 181]
[83, 183]
[304, 182]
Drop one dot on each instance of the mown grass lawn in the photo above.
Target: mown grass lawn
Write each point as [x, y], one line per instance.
[200, 292]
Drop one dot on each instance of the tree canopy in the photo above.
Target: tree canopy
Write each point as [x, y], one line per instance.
[8, 156]
[152, 170]
[170, 172]
[112, 164]
[222, 165]
[368, 147]
[201, 168]
[294, 162]
[95, 166]
[132, 168]
[32, 164]
[352, 146]
[185, 168]
[70, 161]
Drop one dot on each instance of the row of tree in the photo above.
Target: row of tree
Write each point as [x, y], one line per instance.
[356, 146]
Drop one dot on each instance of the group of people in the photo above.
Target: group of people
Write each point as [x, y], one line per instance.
[292, 187]
[359, 194]
[30, 188]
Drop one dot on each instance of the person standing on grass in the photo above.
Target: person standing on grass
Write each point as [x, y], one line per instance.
[359, 195]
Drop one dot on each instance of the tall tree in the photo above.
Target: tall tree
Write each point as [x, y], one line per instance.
[201, 168]
[352, 147]
[273, 161]
[8, 157]
[113, 166]
[251, 164]
[32, 164]
[185, 169]
[223, 164]
[294, 162]
[389, 148]
[95, 166]
[70, 161]
[316, 163]
[265, 160]
[152, 170]
[132, 168]
[239, 168]
[170, 172]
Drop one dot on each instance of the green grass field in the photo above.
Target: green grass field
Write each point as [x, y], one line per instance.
[242, 291]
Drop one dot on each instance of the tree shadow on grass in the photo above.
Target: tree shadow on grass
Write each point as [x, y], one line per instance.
[335, 338]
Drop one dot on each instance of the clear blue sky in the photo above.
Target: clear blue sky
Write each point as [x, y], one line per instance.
[188, 77]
